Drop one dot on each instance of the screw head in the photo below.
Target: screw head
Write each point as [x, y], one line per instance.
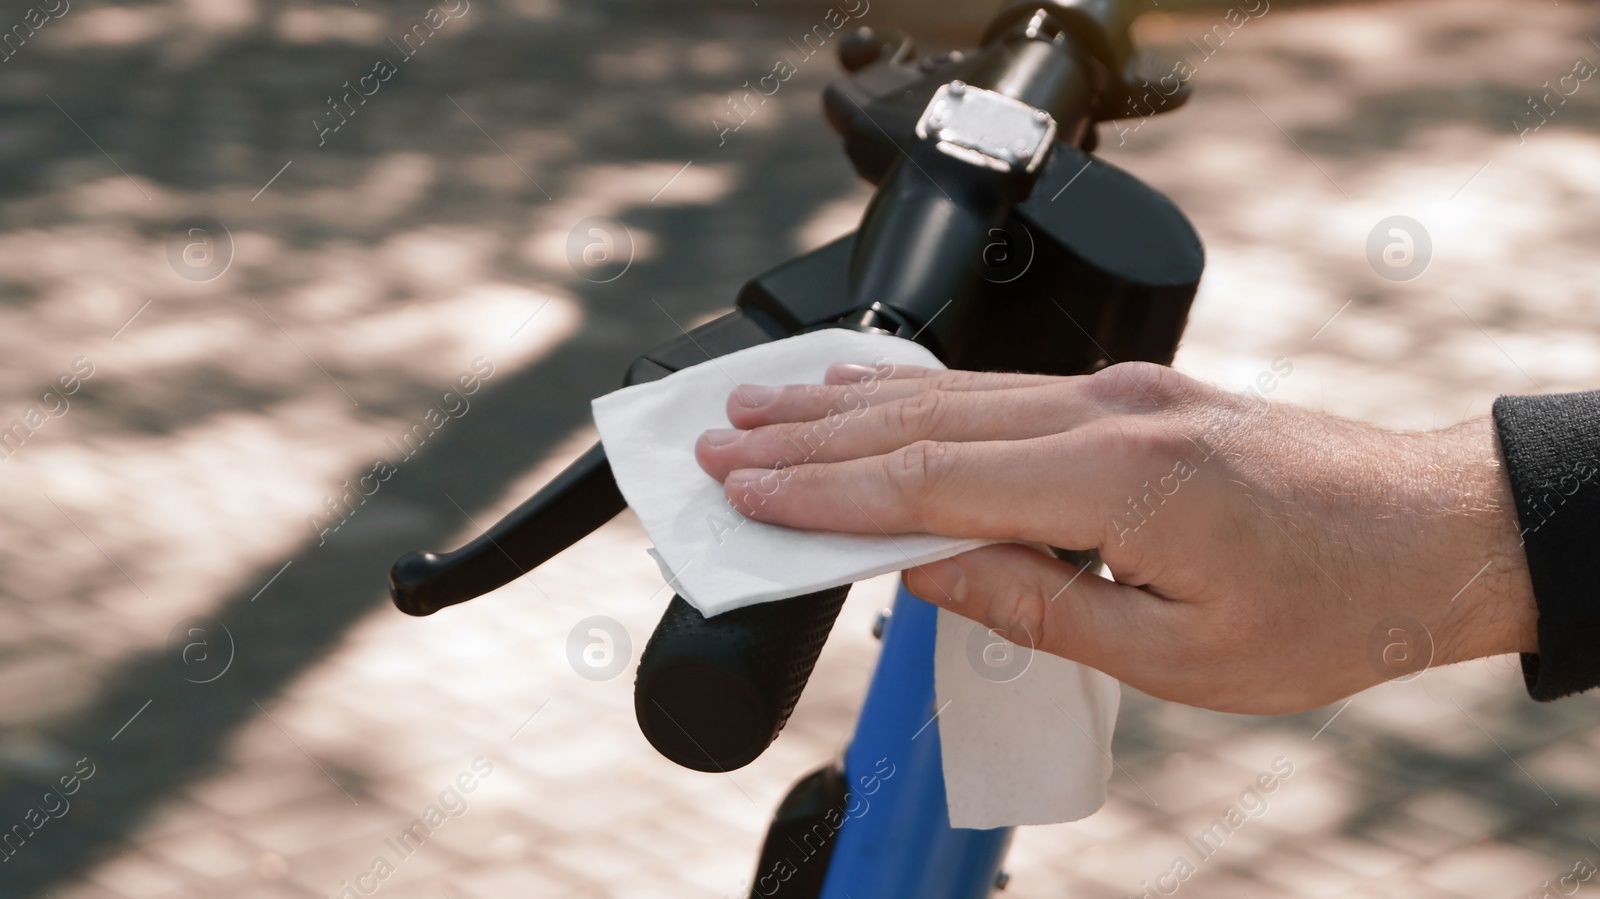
[880, 623]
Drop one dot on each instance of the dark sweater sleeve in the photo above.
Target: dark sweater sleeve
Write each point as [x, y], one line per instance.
[1552, 452]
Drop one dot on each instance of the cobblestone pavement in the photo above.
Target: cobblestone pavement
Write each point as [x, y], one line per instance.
[271, 748]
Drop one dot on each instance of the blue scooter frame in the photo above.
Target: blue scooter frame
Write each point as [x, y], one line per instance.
[901, 845]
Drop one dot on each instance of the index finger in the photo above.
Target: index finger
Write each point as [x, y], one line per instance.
[997, 490]
[946, 378]
[751, 406]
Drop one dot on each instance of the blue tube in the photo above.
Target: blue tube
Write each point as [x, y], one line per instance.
[896, 841]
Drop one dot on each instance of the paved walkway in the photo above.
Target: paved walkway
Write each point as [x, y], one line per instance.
[247, 716]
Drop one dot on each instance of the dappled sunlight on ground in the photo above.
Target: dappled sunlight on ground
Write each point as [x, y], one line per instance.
[429, 239]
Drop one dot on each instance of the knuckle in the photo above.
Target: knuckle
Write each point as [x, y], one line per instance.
[919, 463]
[1143, 386]
[915, 471]
[919, 415]
[1018, 612]
[955, 380]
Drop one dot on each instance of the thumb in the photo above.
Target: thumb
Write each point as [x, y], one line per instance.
[1037, 601]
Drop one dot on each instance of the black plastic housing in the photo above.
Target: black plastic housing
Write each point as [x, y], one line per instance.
[1060, 270]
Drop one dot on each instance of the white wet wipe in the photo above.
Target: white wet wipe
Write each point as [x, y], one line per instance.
[1026, 746]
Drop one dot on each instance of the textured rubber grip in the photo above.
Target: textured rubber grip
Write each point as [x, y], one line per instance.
[713, 693]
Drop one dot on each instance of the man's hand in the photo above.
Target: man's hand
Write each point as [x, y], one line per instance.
[1267, 559]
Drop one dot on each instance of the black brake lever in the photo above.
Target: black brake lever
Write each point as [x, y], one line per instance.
[580, 499]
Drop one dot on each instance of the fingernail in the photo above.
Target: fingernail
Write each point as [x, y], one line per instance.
[850, 371]
[752, 396]
[949, 584]
[722, 436]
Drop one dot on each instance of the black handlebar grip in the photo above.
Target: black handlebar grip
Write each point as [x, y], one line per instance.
[713, 693]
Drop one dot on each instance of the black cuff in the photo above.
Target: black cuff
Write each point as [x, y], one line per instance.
[1552, 453]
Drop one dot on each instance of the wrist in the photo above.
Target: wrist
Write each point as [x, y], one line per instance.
[1489, 610]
